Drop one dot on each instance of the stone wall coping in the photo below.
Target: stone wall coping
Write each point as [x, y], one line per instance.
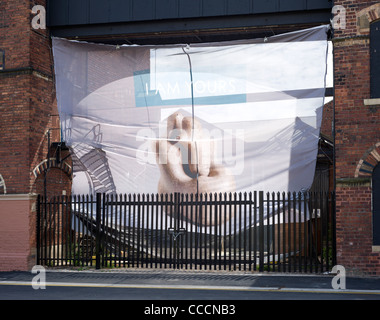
[18, 196]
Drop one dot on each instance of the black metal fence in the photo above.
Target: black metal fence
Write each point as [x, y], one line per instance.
[279, 232]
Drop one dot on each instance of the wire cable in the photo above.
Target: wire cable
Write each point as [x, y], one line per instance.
[192, 112]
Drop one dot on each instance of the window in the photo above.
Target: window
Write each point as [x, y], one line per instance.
[375, 59]
[2, 59]
[376, 205]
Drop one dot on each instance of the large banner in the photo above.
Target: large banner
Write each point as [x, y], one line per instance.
[200, 118]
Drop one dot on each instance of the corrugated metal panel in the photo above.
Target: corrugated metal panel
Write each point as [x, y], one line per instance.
[79, 11]
[167, 9]
[143, 10]
[266, 6]
[119, 10]
[292, 5]
[318, 4]
[57, 12]
[239, 7]
[98, 11]
[74, 12]
[189, 9]
[214, 7]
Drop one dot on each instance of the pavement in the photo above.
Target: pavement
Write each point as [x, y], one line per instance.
[198, 279]
[186, 293]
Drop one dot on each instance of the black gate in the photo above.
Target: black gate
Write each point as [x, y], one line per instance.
[281, 232]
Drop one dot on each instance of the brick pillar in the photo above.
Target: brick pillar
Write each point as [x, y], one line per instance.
[28, 110]
[356, 132]
[17, 232]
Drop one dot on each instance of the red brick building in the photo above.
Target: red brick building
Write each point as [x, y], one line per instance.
[357, 137]
[29, 124]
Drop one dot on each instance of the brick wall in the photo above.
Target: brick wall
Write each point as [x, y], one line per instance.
[357, 131]
[28, 109]
[327, 120]
[14, 104]
[17, 232]
[27, 95]
[354, 229]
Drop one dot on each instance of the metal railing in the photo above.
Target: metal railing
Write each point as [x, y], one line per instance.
[256, 231]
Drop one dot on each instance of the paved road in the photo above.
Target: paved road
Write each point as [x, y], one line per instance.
[182, 289]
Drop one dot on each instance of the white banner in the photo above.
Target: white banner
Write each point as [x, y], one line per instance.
[201, 118]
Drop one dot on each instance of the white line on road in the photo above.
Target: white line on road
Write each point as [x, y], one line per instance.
[191, 287]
